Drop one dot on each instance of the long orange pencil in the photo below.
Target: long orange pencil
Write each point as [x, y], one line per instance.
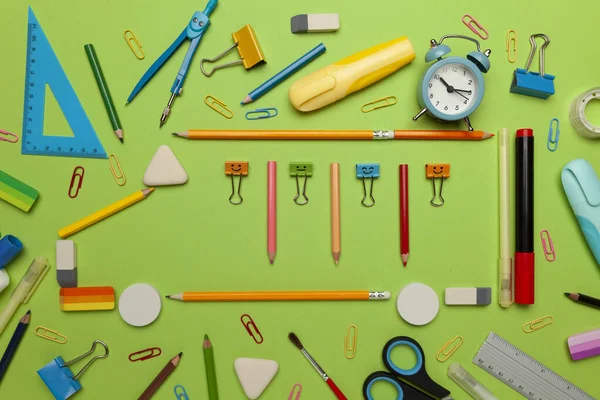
[271, 210]
[161, 377]
[281, 296]
[336, 245]
[332, 135]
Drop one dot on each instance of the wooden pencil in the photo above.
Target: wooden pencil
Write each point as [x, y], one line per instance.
[15, 340]
[322, 295]
[584, 299]
[161, 377]
[336, 244]
[209, 364]
[332, 135]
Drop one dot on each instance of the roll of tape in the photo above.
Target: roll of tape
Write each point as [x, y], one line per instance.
[577, 114]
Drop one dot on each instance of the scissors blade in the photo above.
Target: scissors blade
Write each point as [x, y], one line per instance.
[157, 65]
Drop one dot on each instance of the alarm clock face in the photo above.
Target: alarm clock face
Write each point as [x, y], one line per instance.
[453, 89]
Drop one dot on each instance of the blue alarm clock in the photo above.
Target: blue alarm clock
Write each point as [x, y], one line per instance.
[452, 88]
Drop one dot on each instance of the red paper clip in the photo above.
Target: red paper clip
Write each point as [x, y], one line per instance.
[79, 171]
[6, 136]
[475, 26]
[152, 352]
[250, 323]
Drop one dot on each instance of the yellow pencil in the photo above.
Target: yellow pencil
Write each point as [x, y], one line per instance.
[104, 213]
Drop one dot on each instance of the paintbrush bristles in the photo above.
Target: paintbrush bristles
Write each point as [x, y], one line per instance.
[294, 339]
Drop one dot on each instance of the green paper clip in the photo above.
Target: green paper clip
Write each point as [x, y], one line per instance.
[297, 170]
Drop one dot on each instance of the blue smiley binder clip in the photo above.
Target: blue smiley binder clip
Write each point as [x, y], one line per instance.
[582, 187]
[58, 376]
[535, 84]
[364, 172]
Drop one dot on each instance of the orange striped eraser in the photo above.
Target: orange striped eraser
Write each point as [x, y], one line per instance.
[87, 298]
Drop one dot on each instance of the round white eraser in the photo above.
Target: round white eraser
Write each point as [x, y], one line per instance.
[139, 304]
[418, 304]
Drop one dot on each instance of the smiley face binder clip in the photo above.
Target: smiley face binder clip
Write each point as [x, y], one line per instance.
[364, 172]
[441, 172]
[58, 376]
[233, 169]
[534, 84]
[301, 170]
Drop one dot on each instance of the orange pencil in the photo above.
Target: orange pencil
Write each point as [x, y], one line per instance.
[332, 135]
[336, 245]
[281, 296]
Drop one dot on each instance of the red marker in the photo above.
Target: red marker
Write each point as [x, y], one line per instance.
[404, 213]
[524, 256]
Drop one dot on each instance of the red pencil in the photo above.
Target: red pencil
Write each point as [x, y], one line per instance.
[404, 213]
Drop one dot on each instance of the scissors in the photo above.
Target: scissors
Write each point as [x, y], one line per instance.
[194, 31]
[412, 384]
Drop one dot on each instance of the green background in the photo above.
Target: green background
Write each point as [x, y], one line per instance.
[191, 238]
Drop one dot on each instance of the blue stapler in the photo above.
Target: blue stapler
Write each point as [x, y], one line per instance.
[583, 191]
[535, 84]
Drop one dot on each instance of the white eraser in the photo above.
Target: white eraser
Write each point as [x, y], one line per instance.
[66, 257]
[305, 23]
[475, 296]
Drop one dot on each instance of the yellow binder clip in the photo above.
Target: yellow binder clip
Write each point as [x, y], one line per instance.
[218, 106]
[134, 44]
[379, 103]
[538, 324]
[50, 334]
[247, 46]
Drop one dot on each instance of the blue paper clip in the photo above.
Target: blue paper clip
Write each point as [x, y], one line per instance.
[364, 172]
[553, 134]
[58, 376]
[262, 113]
[534, 84]
[180, 393]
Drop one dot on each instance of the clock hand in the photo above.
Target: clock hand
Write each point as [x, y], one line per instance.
[460, 94]
[450, 88]
[461, 90]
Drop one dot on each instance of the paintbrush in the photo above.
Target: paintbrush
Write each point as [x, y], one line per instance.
[294, 339]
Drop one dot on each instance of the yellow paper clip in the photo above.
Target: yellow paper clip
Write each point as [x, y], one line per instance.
[43, 332]
[131, 39]
[350, 350]
[511, 42]
[385, 102]
[223, 110]
[116, 170]
[444, 353]
[538, 324]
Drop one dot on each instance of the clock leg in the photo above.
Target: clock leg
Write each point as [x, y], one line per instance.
[466, 119]
[416, 117]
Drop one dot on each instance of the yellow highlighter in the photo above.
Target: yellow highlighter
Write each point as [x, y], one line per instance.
[353, 73]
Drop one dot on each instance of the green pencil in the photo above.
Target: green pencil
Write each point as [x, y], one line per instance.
[211, 376]
[103, 87]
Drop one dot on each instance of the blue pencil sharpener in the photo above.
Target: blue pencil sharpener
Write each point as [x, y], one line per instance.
[534, 84]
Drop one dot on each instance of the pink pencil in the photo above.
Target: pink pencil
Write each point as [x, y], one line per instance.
[272, 210]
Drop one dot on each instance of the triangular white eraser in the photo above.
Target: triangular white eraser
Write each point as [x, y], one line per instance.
[165, 169]
[255, 374]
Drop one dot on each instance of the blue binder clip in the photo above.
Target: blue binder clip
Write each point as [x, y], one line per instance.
[535, 84]
[364, 172]
[58, 376]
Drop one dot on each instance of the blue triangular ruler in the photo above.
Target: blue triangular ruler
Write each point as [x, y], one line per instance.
[44, 68]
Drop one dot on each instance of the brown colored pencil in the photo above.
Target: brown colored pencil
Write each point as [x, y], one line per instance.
[161, 378]
[212, 134]
[582, 298]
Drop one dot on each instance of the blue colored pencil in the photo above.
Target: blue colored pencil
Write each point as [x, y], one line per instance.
[284, 74]
[11, 349]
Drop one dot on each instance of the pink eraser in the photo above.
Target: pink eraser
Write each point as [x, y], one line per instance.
[584, 345]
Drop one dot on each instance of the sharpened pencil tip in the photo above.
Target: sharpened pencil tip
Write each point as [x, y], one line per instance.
[28, 312]
[180, 354]
[168, 296]
[567, 294]
[205, 336]
[121, 139]
[174, 133]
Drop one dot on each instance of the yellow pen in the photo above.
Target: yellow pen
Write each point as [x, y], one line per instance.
[353, 73]
[24, 289]
[505, 264]
[104, 213]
